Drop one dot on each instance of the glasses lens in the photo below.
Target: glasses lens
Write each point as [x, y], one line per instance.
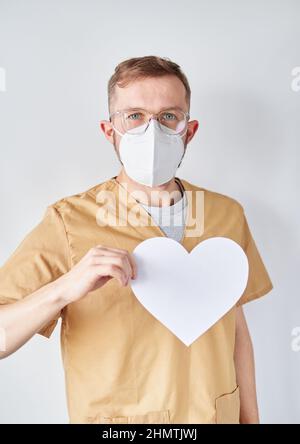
[135, 121]
[172, 121]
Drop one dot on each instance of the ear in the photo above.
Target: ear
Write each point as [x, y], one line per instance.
[192, 128]
[106, 127]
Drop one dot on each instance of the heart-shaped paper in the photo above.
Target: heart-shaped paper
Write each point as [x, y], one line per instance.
[189, 292]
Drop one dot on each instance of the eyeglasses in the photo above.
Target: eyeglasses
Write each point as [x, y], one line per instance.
[172, 121]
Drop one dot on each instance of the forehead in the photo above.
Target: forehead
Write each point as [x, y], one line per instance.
[152, 94]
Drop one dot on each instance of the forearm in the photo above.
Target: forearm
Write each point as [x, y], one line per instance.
[245, 371]
[19, 321]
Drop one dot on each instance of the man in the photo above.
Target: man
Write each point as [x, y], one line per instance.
[122, 365]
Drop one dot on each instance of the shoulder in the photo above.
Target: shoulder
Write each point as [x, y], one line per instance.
[80, 199]
[215, 199]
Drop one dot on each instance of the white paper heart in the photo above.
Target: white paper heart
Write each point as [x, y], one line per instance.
[189, 292]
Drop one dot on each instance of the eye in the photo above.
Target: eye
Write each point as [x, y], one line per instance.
[134, 116]
[169, 116]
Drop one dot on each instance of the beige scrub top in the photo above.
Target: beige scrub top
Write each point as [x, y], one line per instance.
[121, 364]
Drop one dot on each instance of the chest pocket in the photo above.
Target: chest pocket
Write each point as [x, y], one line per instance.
[153, 417]
[228, 407]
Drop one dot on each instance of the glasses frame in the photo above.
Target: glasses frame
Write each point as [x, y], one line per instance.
[155, 115]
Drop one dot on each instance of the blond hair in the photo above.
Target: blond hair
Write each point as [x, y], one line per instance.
[141, 67]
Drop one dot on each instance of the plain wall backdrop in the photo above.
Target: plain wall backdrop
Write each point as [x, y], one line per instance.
[56, 58]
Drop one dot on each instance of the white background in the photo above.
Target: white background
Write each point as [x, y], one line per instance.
[238, 56]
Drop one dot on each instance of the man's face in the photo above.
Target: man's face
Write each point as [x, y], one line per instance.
[152, 94]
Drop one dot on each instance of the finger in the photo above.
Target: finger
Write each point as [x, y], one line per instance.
[120, 261]
[105, 251]
[113, 271]
[133, 265]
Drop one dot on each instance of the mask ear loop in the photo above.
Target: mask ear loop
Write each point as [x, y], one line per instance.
[186, 130]
[184, 150]
[115, 129]
[181, 135]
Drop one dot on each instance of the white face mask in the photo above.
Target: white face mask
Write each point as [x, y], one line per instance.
[151, 158]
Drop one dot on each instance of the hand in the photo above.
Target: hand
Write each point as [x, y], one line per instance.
[98, 266]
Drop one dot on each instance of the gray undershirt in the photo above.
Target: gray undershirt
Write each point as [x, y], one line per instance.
[171, 219]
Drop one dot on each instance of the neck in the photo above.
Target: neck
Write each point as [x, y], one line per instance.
[163, 195]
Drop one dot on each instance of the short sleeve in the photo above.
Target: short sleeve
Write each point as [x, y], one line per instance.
[41, 257]
[259, 282]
